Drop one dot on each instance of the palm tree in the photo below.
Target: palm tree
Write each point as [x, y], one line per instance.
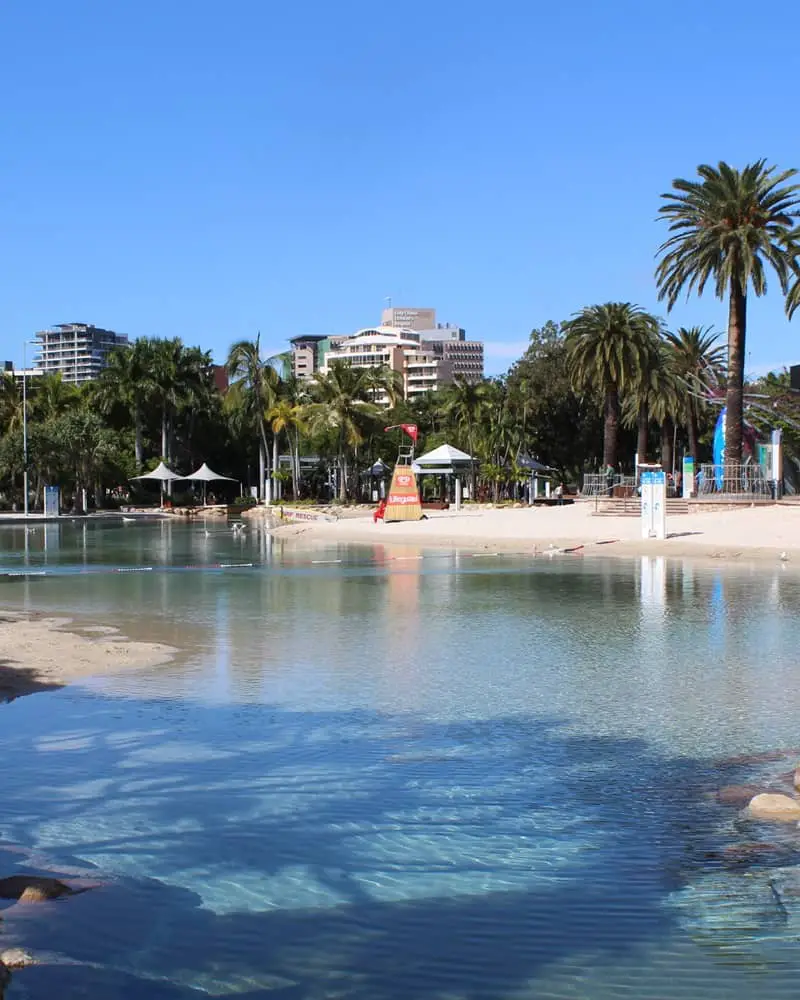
[342, 405]
[463, 408]
[728, 226]
[10, 403]
[610, 347]
[254, 388]
[127, 381]
[697, 361]
[286, 417]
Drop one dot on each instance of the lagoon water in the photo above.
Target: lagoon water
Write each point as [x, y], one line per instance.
[382, 773]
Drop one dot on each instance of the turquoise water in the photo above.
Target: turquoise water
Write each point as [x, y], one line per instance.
[384, 773]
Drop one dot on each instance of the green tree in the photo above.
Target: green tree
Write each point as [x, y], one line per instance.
[254, 389]
[558, 425]
[127, 383]
[342, 406]
[698, 363]
[729, 226]
[609, 349]
[463, 407]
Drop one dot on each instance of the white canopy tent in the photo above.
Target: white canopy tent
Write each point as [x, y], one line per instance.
[205, 476]
[163, 474]
[445, 461]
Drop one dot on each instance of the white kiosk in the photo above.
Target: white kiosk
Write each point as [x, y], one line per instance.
[654, 501]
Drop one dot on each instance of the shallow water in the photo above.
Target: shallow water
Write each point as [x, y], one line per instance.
[392, 776]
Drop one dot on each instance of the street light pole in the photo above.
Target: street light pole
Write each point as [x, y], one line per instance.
[25, 427]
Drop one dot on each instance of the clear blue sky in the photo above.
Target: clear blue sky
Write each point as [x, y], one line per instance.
[209, 169]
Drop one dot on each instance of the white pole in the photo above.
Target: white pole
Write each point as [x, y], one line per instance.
[24, 428]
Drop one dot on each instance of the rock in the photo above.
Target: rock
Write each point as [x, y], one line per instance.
[16, 958]
[749, 759]
[756, 853]
[776, 807]
[5, 979]
[33, 888]
[738, 795]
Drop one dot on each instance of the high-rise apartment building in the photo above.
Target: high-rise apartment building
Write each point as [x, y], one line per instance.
[75, 350]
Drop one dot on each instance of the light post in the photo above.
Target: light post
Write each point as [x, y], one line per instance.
[25, 424]
[25, 428]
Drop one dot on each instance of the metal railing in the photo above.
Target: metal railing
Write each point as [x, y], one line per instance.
[741, 481]
[598, 485]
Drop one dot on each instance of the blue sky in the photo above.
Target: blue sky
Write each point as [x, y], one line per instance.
[209, 170]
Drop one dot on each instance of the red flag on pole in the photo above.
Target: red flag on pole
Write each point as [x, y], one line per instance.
[411, 429]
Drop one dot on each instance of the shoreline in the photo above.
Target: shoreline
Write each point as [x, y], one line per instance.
[43, 652]
[768, 535]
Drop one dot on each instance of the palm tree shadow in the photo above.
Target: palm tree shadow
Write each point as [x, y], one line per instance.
[392, 856]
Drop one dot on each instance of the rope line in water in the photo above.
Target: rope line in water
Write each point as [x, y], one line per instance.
[204, 567]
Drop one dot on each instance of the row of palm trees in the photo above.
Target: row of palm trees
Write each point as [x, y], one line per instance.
[641, 372]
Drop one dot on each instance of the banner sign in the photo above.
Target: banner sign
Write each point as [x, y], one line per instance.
[403, 501]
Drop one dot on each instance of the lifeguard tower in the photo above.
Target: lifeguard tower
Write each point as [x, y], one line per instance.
[403, 501]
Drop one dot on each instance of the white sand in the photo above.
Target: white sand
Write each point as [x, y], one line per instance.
[41, 653]
[744, 533]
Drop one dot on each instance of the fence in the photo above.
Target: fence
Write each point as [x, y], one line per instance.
[742, 481]
[598, 485]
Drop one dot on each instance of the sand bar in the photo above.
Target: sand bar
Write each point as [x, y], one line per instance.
[39, 653]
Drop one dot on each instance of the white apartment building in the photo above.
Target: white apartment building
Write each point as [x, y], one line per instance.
[76, 350]
[398, 349]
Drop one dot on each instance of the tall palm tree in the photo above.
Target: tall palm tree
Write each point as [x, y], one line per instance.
[727, 227]
[126, 381]
[286, 417]
[697, 361]
[609, 349]
[254, 387]
[464, 407]
[342, 404]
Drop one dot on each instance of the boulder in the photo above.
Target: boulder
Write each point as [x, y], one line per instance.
[33, 888]
[775, 807]
[738, 795]
[16, 958]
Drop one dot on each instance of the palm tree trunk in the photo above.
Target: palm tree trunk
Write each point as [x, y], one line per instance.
[275, 482]
[164, 434]
[643, 425]
[293, 452]
[262, 470]
[667, 431]
[138, 443]
[734, 401]
[610, 427]
[691, 430]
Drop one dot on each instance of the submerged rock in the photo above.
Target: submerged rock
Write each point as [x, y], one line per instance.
[760, 853]
[34, 888]
[776, 807]
[738, 795]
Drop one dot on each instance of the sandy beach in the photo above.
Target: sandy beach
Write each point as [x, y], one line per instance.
[761, 533]
[41, 653]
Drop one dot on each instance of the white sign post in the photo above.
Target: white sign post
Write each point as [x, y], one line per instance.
[654, 504]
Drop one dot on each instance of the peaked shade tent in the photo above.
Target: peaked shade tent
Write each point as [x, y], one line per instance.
[162, 474]
[205, 476]
[445, 461]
